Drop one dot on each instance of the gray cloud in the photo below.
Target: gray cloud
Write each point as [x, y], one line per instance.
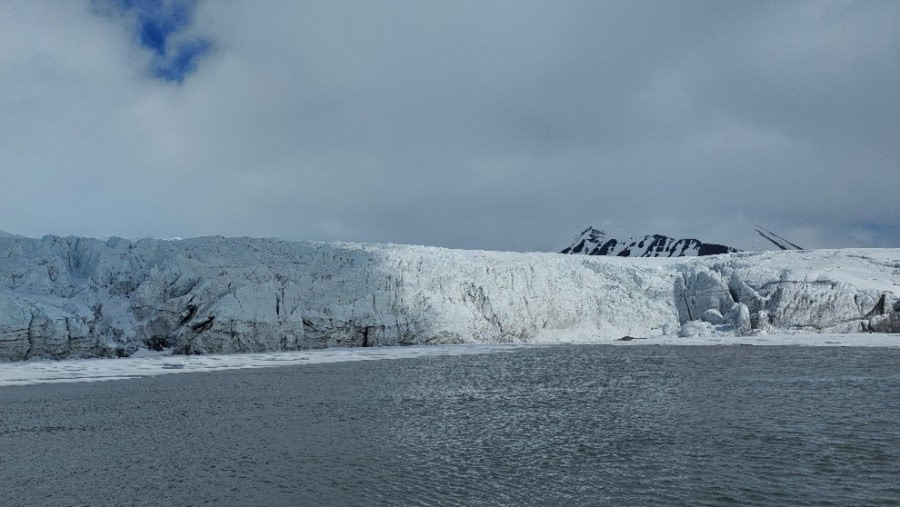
[499, 125]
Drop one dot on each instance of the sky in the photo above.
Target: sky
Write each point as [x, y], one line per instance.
[488, 124]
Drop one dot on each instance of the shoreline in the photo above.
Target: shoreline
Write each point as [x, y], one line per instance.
[890, 340]
[151, 365]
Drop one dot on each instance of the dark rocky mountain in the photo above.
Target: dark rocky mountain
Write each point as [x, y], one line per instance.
[595, 242]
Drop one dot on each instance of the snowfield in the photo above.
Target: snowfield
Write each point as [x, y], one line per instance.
[79, 298]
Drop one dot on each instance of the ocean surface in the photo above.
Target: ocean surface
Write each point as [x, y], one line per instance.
[560, 425]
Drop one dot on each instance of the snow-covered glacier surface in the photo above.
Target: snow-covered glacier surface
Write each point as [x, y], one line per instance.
[78, 297]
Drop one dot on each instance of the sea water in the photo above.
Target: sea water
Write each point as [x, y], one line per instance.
[562, 425]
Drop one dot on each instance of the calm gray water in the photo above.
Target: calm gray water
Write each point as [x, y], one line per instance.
[579, 425]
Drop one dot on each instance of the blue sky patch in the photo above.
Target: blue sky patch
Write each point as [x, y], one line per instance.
[182, 61]
[159, 27]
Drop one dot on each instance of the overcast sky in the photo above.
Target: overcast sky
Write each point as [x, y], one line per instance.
[504, 124]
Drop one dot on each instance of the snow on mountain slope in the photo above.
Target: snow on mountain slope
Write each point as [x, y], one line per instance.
[595, 242]
[76, 297]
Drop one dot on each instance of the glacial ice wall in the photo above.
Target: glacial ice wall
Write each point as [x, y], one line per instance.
[78, 297]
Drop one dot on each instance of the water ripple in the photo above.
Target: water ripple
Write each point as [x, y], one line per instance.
[575, 425]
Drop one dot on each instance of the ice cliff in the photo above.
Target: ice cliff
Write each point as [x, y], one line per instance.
[77, 297]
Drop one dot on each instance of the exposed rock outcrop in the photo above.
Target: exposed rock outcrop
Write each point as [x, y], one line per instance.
[596, 242]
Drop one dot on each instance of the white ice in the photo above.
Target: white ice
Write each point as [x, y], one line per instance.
[77, 297]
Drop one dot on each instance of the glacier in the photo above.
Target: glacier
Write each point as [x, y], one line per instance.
[69, 297]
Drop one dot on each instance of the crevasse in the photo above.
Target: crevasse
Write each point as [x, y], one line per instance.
[79, 297]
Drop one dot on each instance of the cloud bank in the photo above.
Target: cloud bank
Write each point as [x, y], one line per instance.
[495, 125]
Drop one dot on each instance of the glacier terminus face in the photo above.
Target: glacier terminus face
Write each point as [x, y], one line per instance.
[79, 297]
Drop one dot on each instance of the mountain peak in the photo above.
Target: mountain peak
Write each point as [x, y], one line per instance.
[591, 233]
[593, 241]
